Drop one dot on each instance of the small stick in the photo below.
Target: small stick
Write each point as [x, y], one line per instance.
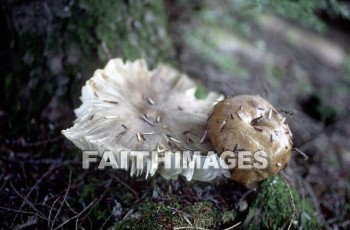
[186, 132]
[150, 101]
[77, 215]
[239, 116]
[121, 133]
[112, 102]
[35, 186]
[283, 119]
[222, 125]
[160, 150]
[256, 120]
[258, 129]
[142, 136]
[128, 214]
[291, 202]
[127, 186]
[138, 135]
[147, 120]
[110, 117]
[166, 137]
[233, 226]
[204, 136]
[64, 199]
[244, 196]
[173, 139]
[306, 157]
[150, 133]
[235, 148]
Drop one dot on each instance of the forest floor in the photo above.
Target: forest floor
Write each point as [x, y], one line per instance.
[306, 75]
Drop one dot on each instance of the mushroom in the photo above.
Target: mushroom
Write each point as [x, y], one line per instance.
[127, 107]
[250, 123]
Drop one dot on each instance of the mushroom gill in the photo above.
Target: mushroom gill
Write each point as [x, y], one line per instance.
[125, 106]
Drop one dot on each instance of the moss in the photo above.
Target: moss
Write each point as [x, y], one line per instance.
[227, 217]
[206, 42]
[272, 208]
[299, 11]
[79, 36]
[130, 29]
[275, 71]
[201, 92]
[168, 213]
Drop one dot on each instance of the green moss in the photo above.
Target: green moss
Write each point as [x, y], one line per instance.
[227, 217]
[132, 29]
[55, 57]
[171, 212]
[272, 208]
[304, 87]
[275, 71]
[207, 40]
[201, 92]
[300, 11]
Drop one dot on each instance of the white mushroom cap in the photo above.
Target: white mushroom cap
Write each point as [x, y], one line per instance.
[125, 106]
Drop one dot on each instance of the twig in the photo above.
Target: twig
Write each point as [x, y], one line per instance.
[41, 161]
[306, 157]
[23, 212]
[233, 226]
[35, 185]
[96, 202]
[25, 199]
[106, 50]
[23, 143]
[127, 186]
[204, 136]
[128, 214]
[50, 212]
[244, 196]
[291, 201]
[106, 220]
[64, 199]
[32, 220]
[68, 205]
[76, 216]
[190, 227]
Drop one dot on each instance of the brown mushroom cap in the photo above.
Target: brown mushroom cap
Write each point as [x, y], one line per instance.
[250, 123]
